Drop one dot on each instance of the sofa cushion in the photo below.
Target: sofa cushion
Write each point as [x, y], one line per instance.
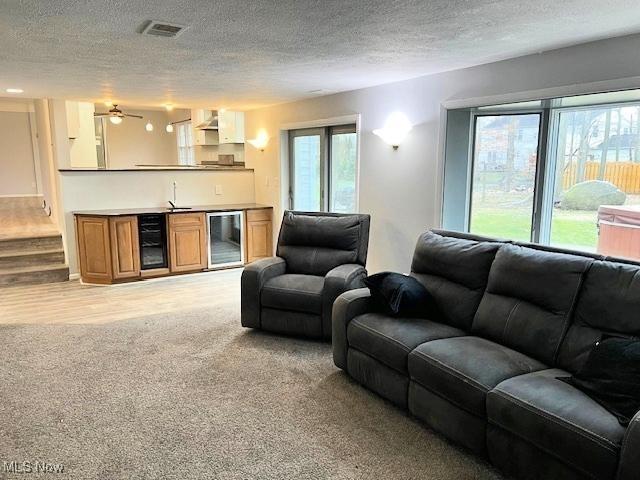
[300, 293]
[608, 303]
[529, 299]
[462, 370]
[559, 419]
[454, 271]
[390, 339]
[313, 244]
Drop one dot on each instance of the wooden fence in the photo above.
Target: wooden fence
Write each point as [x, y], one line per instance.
[624, 175]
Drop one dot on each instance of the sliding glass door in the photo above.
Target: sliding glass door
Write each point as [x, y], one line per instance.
[503, 182]
[307, 172]
[323, 169]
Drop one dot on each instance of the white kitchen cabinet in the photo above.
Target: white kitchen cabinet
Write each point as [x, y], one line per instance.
[230, 126]
[202, 137]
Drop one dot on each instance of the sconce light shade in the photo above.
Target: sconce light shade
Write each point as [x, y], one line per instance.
[149, 127]
[395, 129]
[261, 140]
[169, 128]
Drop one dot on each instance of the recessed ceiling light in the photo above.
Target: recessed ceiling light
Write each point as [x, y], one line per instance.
[14, 90]
[169, 107]
[108, 103]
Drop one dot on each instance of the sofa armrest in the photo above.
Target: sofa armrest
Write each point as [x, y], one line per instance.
[629, 465]
[346, 307]
[337, 281]
[254, 277]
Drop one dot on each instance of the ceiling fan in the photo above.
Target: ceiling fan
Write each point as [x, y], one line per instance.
[115, 115]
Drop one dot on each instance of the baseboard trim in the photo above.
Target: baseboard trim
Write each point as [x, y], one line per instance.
[74, 276]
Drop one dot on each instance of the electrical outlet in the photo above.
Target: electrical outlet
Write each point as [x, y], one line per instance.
[218, 189]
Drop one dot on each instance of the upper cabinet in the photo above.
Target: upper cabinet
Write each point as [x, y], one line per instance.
[211, 127]
[231, 126]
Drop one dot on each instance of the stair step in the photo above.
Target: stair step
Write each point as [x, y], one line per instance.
[27, 258]
[33, 275]
[16, 244]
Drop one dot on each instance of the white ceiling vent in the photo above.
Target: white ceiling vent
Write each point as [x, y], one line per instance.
[163, 29]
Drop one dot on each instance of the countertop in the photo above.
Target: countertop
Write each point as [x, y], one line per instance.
[164, 168]
[200, 208]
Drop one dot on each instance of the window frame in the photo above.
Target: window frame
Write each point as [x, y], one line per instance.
[188, 135]
[326, 135]
[550, 110]
[475, 114]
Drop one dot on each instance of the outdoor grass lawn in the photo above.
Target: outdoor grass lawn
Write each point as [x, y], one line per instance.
[570, 228]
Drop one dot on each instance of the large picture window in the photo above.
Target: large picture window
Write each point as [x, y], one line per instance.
[563, 172]
[323, 169]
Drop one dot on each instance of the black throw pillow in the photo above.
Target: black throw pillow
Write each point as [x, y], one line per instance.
[611, 376]
[401, 295]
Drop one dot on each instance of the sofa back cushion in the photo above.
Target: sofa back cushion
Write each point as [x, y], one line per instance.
[454, 271]
[608, 304]
[529, 298]
[314, 243]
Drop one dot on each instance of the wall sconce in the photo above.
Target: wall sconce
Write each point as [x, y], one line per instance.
[149, 127]
[395, 129]
[169, 128]
[261, 140]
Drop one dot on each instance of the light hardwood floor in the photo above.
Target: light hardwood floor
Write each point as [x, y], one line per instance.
[72, 302]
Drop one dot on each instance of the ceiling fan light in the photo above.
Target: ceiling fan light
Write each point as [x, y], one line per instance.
[115, 120]
[149, 127]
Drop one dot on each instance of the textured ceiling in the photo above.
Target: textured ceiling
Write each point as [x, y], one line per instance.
[244, 54]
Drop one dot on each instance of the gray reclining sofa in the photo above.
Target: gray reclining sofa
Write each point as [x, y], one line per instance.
[514, 318]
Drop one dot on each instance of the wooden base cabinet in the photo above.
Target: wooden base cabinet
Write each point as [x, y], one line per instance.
[109, 245]
[125, 247]
[187, 242]
[108, 248]
[259, 234]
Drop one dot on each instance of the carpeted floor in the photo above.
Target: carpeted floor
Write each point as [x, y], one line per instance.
[195, 396]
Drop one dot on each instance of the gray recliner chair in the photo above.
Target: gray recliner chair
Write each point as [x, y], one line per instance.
[319, 256]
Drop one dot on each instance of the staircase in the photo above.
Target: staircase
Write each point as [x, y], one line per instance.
[31, 250]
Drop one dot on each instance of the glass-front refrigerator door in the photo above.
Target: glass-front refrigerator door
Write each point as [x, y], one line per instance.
[226, 239]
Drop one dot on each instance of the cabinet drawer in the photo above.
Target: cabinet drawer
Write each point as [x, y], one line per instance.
[258, 215]
[176, 219]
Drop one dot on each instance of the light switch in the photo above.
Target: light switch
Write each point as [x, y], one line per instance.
[218, 189]
[266, 181]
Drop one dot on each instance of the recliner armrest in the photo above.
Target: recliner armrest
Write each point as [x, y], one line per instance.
[337, 281]
[254, 276]
[346, 307]
[629, 465]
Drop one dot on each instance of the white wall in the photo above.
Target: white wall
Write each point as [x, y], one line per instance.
[17, 163]
[108, 190]
[402, 189]
[82, 149]
[48, 173]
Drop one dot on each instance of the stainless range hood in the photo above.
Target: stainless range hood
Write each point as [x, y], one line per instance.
[210, 122]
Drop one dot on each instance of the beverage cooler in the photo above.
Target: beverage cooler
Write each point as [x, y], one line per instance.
[152, 234]
[226, 239]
